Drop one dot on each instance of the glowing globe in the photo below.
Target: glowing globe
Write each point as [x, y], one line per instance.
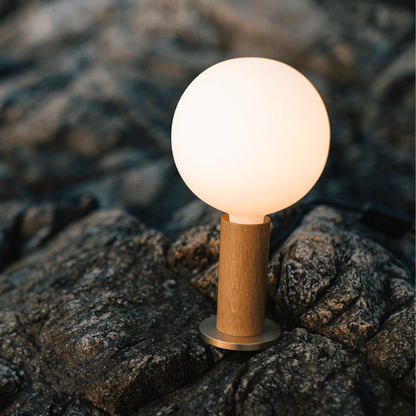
[250, 136]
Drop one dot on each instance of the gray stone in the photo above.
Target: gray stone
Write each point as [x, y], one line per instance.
[9, 382]
[25, 226]
[305, 374]
[391, 350]
[40, 222]
[47, 168]
[7, 186]
[191, 215]
[195, 250]
[114, 325]
[120, 158]
[207, 281]
[36, 398]
[10, 213]
[103, 320]
[334, 281]
[142, 186]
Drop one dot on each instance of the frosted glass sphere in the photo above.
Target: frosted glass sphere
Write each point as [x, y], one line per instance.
[250, 136]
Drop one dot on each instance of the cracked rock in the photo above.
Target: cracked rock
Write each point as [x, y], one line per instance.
[101, 324]
[25, 226]
[100, 316]
[9, 382]
[334, 281]
[195, 250]
[305, 374]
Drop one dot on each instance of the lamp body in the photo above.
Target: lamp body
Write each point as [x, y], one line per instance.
[250, 136]
[240, 323]
[242, 286]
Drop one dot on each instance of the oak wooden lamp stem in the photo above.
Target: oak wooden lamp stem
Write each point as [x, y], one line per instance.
[242, 286]
[240, 323]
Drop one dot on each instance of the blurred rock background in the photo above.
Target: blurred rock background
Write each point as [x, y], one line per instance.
[88, 90]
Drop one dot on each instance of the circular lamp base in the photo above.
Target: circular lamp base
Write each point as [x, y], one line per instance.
[210, 334]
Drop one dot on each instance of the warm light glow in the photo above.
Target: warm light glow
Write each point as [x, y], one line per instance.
[250, 136]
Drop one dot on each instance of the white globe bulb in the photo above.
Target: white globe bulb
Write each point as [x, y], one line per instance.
[250, 136]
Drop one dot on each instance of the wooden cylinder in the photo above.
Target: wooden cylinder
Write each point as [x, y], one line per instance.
[242, 285]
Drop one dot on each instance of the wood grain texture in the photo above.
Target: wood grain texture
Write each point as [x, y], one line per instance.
[244, 251]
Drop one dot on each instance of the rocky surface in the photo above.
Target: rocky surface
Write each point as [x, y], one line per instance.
[304, 374]
[102, 320]
[338, 283]
[98, 316]
[26, 225]
[108, 262]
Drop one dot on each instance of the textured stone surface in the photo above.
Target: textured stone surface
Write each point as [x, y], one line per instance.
[101, 320]
[25, 225]
[10, 212]
[391, 350]
[98, 315]
[191, 215]
[195, 250]
[336, 282]
[9, 381]
[305, 374]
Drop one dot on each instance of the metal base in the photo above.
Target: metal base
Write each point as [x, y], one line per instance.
[210, 334]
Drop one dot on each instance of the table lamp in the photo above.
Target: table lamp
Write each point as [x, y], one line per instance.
[250, 136]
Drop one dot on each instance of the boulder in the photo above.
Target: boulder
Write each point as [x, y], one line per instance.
[98, 316]
[26, 225]
[103, 319]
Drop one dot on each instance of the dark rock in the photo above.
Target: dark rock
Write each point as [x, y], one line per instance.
[304, 374]
[195, 250]
[150, 188]
[100, 323]
[121, 158]
[10, 66]
[207, 281]
[391, 350]
[101, 188]
[142, 186]
[282, 220]
[9, 382]
[8, 186]
[43, 169]
[191, 215]
[336, 282]
[40, 222]
[114, 326]
[40, 399]
[10, 213]
[24, 226]
[7, 7]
